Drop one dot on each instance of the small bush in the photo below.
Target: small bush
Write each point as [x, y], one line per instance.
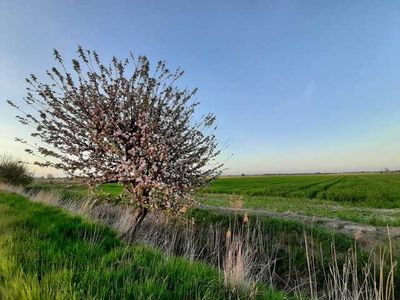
[14, 172]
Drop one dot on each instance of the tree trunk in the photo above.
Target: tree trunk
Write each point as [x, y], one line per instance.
[138, 214]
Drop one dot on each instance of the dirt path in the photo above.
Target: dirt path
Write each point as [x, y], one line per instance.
[368, 234]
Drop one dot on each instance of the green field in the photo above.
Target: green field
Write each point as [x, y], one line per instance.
[373, 190]
[47, 254]
[42, 228]
[365, 198]
[369, 190]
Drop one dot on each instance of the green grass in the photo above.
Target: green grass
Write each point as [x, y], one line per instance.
[372, 199]
[315, 207]
[287, 235]
[364, 190]
[46, 253]
[73, 190]
[369, 190]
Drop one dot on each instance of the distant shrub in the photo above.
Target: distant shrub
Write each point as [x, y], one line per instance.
[14, 172]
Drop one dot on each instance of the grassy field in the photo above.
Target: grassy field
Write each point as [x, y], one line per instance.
[364, 198]
[369, 190]
[372, 199]
[283, 239]
[47, 254]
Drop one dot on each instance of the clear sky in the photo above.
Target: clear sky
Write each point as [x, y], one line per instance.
[297, 86]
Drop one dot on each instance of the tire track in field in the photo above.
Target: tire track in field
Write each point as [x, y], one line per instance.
[304, 187]
[314, 193]
[328, 186]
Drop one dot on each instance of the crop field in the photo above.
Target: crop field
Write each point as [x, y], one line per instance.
[364, 198]
[374, 190]
[372, 199]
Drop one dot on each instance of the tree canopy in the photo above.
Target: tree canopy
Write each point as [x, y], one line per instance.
[122, 122]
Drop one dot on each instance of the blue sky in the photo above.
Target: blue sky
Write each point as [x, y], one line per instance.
[297, 86]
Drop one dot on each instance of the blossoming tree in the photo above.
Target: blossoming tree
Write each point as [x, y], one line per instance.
[122, 122]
